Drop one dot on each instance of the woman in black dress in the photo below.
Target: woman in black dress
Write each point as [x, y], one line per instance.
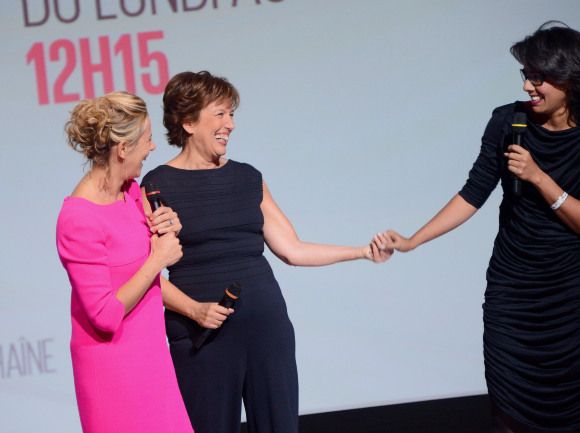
[532, 300]
[227, 214]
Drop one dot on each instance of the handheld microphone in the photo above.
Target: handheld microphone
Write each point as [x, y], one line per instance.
[153, 197]
[519, 125]
[231, 295]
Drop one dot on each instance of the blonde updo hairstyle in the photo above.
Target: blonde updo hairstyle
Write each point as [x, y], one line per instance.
[97, 125]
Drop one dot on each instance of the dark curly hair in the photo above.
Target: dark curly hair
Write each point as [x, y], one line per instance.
[554, 50]
[186, 94]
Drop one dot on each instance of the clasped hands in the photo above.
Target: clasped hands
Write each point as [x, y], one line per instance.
[386, 243]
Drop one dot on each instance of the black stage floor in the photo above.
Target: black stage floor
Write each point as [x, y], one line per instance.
[454, 415]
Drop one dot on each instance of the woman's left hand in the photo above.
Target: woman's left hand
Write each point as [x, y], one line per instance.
[164, 220]
[521, 163]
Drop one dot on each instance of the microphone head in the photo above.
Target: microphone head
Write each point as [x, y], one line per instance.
[150, 190]
[519, 123]
[234, 290]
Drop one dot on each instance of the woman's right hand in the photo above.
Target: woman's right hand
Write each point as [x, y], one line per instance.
[210, 314]
[166, 249]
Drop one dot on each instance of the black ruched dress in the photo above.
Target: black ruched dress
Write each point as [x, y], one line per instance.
[532, 301]
[252, 355]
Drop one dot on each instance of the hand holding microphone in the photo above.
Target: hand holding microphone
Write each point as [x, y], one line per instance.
[165, 248]
[519, 125]
[520, 161]
[162, 219]
[231, 295]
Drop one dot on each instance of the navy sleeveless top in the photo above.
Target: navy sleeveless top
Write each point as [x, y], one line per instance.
[222, 240]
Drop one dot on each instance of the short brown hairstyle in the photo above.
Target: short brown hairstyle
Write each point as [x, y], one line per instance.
[186, 94]
[96, 125]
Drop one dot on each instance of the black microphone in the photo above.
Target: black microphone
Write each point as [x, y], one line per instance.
[153, 197]
[519, 125]
[231, 295]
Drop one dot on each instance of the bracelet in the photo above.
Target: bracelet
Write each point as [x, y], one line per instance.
[560, 201]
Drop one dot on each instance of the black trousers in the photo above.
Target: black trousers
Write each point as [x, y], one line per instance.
[249, 359]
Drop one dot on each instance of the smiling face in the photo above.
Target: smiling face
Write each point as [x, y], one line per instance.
[211, 132]
[547, 100]
[550, 59]
[135, 154]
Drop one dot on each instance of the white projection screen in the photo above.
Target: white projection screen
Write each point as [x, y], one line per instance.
[362, 116]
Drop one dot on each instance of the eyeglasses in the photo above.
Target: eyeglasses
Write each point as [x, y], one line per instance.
[536, 78]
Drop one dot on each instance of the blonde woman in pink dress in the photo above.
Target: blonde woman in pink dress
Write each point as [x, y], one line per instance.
[113, 253]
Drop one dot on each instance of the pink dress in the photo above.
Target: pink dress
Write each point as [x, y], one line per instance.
[124, 377]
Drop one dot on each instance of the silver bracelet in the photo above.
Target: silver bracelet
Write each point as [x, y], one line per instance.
[560, 201]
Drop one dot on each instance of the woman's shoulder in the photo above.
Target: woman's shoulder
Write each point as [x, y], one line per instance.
[244, 167]
[75, 206]
[79, 213]
[152, 174]
[502, 118]
[78, 217]
[507, 111]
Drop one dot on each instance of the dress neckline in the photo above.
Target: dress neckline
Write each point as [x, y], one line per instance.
[86, 200]
[200, 170]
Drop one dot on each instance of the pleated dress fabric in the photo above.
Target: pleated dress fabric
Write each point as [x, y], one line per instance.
[532, 301]
[252, 355]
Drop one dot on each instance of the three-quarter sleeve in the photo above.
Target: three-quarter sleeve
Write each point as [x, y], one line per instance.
[82, 250]
[487, 168]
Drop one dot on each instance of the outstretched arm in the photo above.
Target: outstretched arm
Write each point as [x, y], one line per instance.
[453, 214]
[282, 239]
